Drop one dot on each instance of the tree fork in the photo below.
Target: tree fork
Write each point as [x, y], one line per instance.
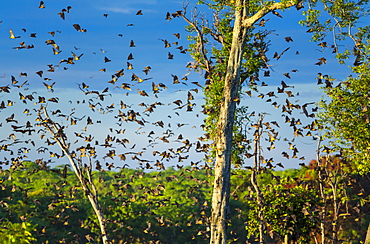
[221, 186]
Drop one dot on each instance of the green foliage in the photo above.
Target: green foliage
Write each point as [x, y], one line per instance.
[291, 209]
[346, 117]
[18, 233]
[170, 205]
[167, 206]
[338, 17]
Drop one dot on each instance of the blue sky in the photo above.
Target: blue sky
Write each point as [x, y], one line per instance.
[110, 37]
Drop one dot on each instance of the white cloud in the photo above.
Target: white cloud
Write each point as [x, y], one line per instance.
[119, 10]
[126, 10]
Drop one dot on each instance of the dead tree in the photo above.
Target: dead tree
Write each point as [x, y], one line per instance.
[82, 171]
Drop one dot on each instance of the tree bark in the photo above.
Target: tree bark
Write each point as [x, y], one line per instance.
[367, 240]
[221, 186]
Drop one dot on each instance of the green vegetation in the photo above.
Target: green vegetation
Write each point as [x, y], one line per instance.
[44, 205]
[346, 116]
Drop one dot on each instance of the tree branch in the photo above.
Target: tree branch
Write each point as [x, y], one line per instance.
[201, 42]
[249, 22]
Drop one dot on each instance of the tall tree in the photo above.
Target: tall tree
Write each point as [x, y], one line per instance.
[246, 14]
[344, 115]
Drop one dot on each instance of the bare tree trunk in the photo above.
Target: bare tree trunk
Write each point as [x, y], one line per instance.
[85, 178]
[91, 193]
[367, 240]
[99, 214]
[336, 206]
[322, 190]
[255, 173]
[94, 200]
[286, 239]
[221, 186]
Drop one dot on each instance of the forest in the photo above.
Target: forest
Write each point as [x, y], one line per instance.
[47, 205]
[237, 121]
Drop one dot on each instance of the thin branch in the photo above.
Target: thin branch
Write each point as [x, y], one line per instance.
[321, 186]
[60, 141]
[89, 176]
[217, 37]
[201, 42]
[334, 34]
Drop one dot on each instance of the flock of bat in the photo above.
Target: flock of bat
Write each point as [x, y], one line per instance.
[95, 100]
[29, 128]
[125, 113]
